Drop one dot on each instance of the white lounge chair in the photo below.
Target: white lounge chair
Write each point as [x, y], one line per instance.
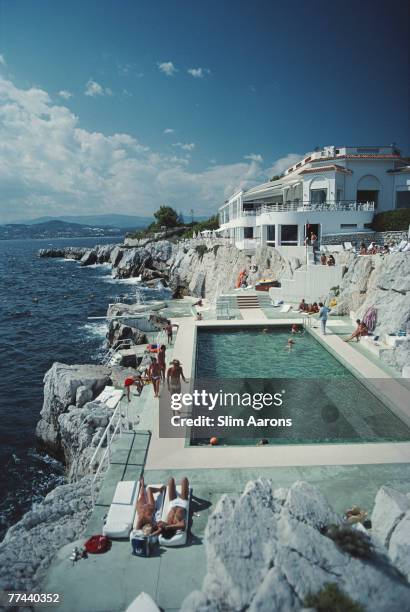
[121, 514]
[110, 396]
[286, 308]
[348, 246]
[399, 247]
[180, 538]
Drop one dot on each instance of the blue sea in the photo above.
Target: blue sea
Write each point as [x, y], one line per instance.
[44, 309]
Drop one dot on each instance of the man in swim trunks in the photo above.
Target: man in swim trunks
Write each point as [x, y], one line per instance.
[146, 519]
[169, 327]
[133, 380]
[177, 518]
[161, 360]
[174, 375]
[155, 375]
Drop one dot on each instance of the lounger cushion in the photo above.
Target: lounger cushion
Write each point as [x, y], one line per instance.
[121, 514]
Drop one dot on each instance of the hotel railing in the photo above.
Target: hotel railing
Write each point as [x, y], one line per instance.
[329, 205]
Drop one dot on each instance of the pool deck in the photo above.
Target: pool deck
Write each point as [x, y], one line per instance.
[348, 474]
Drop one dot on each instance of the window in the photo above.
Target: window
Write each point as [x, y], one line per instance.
[248, 232]
[270, 237]
[318, 196]
[403, 199]
[348, 225]
[289, 234]
[338, 195]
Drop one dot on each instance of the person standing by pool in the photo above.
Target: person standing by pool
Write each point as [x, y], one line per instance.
[169, 328]
[155, 375]
[323, 312]
[161, 360]
[174, 375]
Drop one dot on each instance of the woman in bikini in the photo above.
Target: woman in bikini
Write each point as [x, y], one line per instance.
[177, 518]
[146, 519]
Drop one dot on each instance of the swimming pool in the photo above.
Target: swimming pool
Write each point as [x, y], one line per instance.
[324, 400]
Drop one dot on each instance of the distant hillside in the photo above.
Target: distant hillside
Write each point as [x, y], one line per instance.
[109, 220]
[57, 229]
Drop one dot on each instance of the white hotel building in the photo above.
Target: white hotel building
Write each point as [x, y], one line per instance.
[335, 190]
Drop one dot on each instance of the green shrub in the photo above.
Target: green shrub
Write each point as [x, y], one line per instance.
[392, 220]
[349, 540]
[208, 224]
[331, 599]
[215, 248]
[201, 249]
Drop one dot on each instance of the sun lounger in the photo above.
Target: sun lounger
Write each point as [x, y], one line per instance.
[180, 538]
[110, 396]
[121, 514]
[286, 308]
[348, 246]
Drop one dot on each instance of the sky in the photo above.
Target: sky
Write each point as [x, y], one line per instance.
[119, 106]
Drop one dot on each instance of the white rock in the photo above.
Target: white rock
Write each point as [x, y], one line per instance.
[389, 508]
[399, 547]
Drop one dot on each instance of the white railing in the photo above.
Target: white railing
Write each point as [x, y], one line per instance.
[97, 463]
[122, 344]
[345, 205]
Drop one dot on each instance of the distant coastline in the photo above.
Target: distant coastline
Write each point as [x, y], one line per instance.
[59, 229]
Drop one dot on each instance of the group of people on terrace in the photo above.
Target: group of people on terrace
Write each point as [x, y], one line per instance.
[308, 308]
[328, 260]
[156, 372]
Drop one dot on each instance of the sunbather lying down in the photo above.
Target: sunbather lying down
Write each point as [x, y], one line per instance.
[146, 515]
[177, 516]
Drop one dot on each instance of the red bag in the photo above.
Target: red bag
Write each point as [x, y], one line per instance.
[97, 544]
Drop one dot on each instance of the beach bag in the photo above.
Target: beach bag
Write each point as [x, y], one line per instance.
[97, 544]
[142, 545]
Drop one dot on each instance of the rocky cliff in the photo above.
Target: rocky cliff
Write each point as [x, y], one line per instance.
[189, 267]
[270, 548]
[29, 546]
[382, 282]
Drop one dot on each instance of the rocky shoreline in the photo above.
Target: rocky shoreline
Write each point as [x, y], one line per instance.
[71, 422]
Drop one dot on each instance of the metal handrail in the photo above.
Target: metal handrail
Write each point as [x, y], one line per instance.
[108, 436]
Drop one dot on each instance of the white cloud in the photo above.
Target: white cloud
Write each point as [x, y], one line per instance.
[169, 131]
[51, 165]
[282, 164]
[167, 68]
[2, 61]
[198, 73]
[255, 157]
[65, 94]
[94, 89]
[185, 146]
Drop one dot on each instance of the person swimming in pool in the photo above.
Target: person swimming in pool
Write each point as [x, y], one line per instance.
[177, 518]
[290, 343]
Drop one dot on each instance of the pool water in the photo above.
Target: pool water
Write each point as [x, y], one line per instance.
[325, 402]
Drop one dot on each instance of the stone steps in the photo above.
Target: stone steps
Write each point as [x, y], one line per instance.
[247, 301]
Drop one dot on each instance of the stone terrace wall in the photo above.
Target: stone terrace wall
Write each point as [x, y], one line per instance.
[380, 238]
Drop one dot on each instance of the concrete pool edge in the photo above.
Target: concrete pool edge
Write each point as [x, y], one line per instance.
[172, 453]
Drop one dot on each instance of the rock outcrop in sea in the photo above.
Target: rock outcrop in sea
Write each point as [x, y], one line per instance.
[270, 548]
